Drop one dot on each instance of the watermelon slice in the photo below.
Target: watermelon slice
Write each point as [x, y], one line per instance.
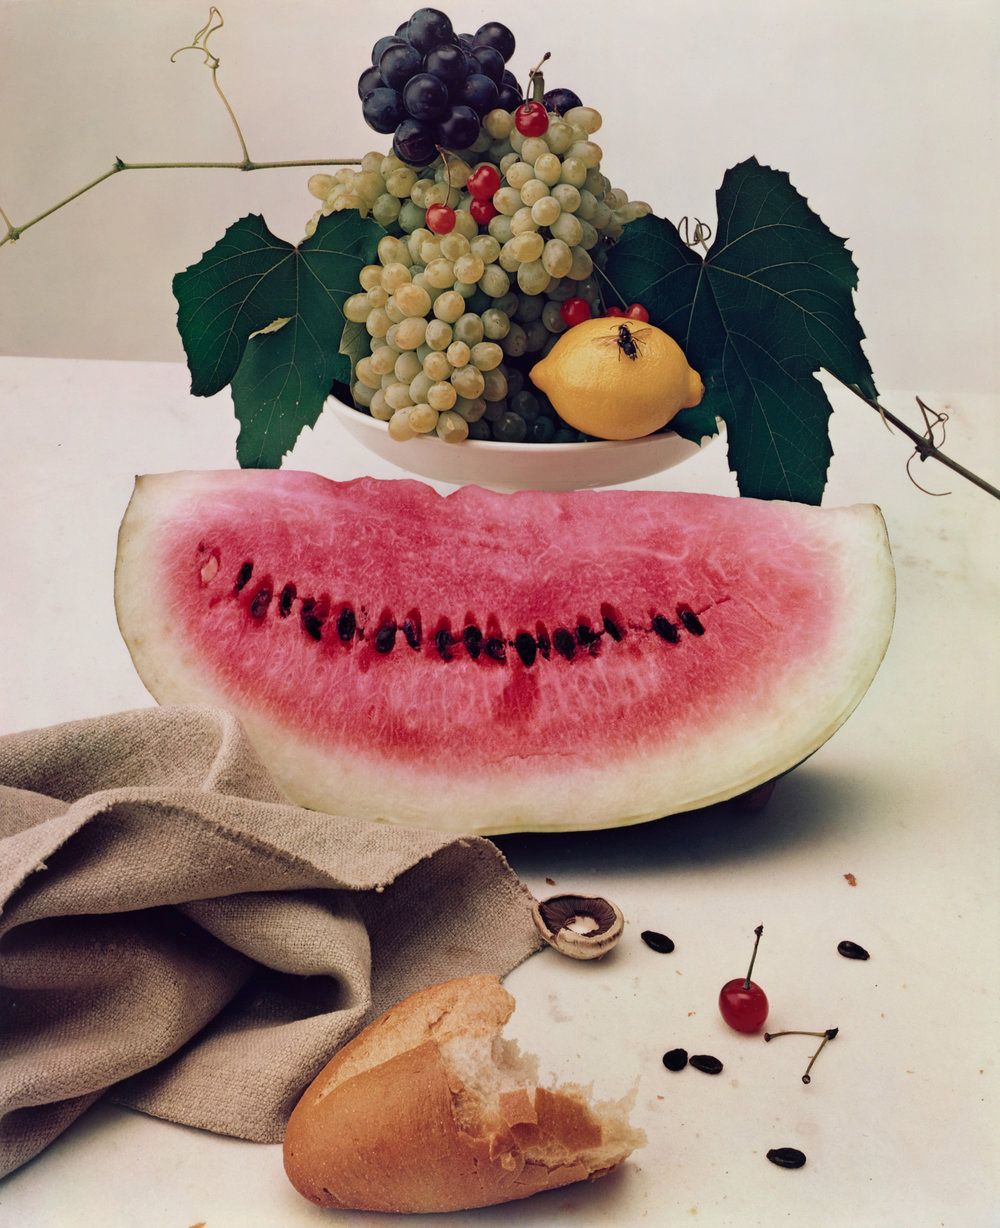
[491, 663]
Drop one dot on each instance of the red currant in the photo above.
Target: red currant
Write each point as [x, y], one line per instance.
[531, 119]
[575, 311]
[615, 311]
[483, 211]
[483, 181]
[637, 312]
[440, 219]
[742, 1003]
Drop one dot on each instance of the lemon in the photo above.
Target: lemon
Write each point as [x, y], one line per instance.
[616, 378]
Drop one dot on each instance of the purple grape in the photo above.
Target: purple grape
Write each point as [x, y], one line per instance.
[414, 142]
[398, 64]
[510, 97]
[478, 92]
[495, 34]
[561, 101]
[383, 110]
[425, 96]
[490, 63]
[508, 78]
[466, 41]
[390, 40]
[402, 29]
[370, 79]
[458, 129]
[447, 62]
[429, 28]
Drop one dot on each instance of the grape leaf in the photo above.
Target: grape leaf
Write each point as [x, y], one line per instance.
[231, 305]
[769, 305]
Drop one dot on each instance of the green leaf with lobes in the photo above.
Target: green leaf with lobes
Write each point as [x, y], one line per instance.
[769, 305]
[229, 307]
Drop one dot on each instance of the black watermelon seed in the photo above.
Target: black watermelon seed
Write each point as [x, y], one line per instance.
[285, 600]
[564, 643]
[851, 950]
[312, 622]
[665, 629]
[706, 1063]
[544, 644]
[385, 638]
[472, 638]
[787, 1157]
[243, 577]
[658, 942]
[443, 641]
[411, 634]
[586, 635]
[675, 1059]
[347, 624]
[692, 622]
[526, 647]
[613, 629]
[495, 649]
[262, 599]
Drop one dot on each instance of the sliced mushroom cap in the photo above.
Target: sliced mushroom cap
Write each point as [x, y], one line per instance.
[582, 927]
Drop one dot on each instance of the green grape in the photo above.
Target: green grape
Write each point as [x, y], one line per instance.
[399, 426]
[500, 227]
[392, 250]
[533, 189]
[356, 308]
[438, 335]
[420, 385]
[522, 222]
[527, 246]
[508, 261]
[383, 358]
[516, 140]
[465, 223]
[468, 382]
[372, 161]
[321, 185]
[518, 174]
[419, 190]
[552, 318]
[507, 201]
[532, 277]
[616, 199]
[596, 182]
[458, 353]
[584, 117]
[399, 182]
[548, 169]
[423, 419]
[407, 366]
[412, 300]
[533, 148]
[362, 394]
[437, 367]
[494, 385]
[395, 275]
[454, 246]
[389, 164]
[507, 161]
[494, 280]
[370, 276]
[567, 197]
[498, 123]
[557, 258]
[567, 227]
[422, 350]
[496, 324]
[636, 209]
[582, 265]
[397, 396]
[573, 171]
[390, 336]
[452, 427]
[486, 248]
[602, 216]
[441, 396]
[369, 185]
[589, 237]
[430, 250]
[587, 207]
[411, 216]
[466, 289]
[469, 328]
[559, 136]
[589, 153]
[468, 269]
[411, 332]
[471, 408]
[378, 322]
[387, 380]
[449, 306]
[545, 211]
[379, 408]
[440, 273]
[486, 355]
[498, 150]
[377, 296]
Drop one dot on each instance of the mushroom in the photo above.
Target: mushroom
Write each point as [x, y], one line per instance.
[582, 927]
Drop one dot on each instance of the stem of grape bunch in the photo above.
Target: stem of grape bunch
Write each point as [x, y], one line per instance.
[198, 43]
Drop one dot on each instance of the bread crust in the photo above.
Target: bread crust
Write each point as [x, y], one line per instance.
[377, 1129]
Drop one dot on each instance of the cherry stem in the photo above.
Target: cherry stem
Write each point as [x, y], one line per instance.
[758, 931]
[447, 167]
[826, 1036]
[537, 80]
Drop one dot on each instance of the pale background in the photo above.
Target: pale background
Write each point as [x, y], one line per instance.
[884, 113]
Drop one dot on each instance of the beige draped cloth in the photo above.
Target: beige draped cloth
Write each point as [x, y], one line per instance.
[177, 937]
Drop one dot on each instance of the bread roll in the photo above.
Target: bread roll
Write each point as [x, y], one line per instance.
[429, 1109]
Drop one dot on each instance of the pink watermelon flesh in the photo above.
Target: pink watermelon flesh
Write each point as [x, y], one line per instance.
[489, 663]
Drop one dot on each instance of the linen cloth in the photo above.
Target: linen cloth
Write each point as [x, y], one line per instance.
[176, 936]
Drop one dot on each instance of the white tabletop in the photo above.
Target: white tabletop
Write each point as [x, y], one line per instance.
[899, 1123]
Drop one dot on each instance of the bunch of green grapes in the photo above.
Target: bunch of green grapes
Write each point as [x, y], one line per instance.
[490, 256]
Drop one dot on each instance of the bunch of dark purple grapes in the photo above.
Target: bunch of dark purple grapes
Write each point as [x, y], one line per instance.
[431, 87]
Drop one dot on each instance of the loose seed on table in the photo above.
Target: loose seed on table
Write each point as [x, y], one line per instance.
[851, 950]
[657, 942]
[786, 1157]
[675, 1059]
[706, 1063]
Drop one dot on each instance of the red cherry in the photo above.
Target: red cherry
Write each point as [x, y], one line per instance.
[637, 312]
[483, 181]
[742, 1003]
[483, 210]
[614, 311]
[440, 219]
[575, 311]
[531, 119]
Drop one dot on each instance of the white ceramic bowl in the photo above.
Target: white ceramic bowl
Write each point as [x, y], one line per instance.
[520, 466]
